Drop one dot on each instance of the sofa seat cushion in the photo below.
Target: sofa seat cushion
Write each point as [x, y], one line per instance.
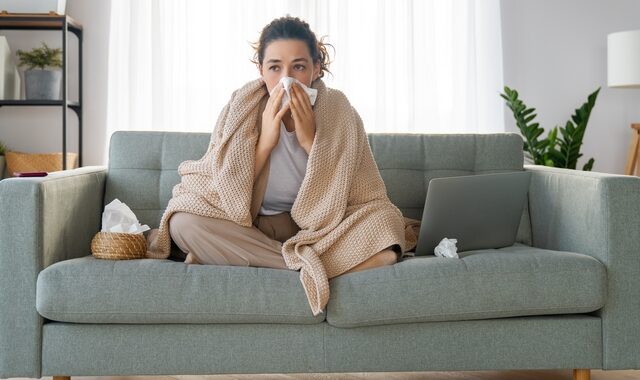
[492, 283]
[90, 290]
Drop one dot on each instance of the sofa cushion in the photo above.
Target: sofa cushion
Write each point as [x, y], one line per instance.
[492, 283]
[90, 290]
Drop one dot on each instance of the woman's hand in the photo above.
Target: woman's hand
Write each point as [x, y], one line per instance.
[271, 118]
[303, 117]
[270, 133]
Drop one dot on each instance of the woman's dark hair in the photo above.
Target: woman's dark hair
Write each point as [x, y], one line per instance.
[288, 27]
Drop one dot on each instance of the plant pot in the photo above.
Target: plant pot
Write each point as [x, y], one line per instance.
[1, 167]
[42, 84]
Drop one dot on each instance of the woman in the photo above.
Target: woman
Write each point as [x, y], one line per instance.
[290, 187]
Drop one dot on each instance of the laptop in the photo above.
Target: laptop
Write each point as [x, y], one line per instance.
[480, 211]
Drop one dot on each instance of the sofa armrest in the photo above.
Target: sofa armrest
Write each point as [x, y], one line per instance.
[42, 221]
[598, 215]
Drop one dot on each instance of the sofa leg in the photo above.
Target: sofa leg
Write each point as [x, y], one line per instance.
[578, 374]
[69, 378]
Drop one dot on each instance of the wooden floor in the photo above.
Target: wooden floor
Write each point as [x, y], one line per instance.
[475, 375]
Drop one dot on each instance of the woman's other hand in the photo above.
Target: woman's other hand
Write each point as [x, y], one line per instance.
[303, 117]
[271, 118]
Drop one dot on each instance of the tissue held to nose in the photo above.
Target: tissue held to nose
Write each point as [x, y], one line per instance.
[287, 82]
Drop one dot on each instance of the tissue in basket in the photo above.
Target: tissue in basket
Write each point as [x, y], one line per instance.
[121, 237]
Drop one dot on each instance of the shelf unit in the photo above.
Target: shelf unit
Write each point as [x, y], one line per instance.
[64, 24]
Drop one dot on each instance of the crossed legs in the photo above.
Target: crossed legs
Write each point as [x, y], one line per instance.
[222, 242]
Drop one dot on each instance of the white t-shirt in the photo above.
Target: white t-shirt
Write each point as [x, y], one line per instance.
[288, 164]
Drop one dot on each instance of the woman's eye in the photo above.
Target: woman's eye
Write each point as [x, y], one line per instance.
[296, 67]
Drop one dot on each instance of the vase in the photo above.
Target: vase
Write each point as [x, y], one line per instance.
[42, 84]
[9, 74]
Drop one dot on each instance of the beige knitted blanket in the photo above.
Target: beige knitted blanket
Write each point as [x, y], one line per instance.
[342, 206]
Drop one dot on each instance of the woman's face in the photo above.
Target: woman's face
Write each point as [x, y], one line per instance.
[288, 58]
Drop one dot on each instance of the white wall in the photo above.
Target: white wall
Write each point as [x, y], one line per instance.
[39, 129]
[555, 54]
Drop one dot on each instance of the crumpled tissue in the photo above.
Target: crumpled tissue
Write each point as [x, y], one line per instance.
[447, 248]
[118, 217]
[287, 82]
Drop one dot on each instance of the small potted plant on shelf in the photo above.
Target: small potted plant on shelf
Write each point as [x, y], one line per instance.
[40, 82]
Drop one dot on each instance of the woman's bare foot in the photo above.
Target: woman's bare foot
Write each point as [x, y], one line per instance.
[382, 258]
[191, 259]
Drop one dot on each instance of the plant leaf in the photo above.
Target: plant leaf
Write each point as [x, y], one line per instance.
[530, 132]
[573, 133]
[589, 165]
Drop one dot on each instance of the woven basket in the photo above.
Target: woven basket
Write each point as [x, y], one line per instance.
[118, 246]
[38, 162]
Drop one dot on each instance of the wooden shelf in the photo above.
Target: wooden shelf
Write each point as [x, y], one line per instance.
[43, 21]
[57, 23]
[37, 103]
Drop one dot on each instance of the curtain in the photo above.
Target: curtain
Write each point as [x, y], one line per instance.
[414, 66]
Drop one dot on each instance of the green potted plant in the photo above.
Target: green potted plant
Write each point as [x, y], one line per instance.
[42, 81]
[556, 150]
[3, 148]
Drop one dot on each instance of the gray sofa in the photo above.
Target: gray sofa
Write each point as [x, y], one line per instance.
[565, 296]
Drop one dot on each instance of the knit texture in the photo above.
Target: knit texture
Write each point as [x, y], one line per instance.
[342, 207]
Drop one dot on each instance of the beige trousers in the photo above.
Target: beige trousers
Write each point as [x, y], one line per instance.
[222, 242]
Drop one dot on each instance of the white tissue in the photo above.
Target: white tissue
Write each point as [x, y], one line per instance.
[447, 248]
[287, 82]
[118, 217]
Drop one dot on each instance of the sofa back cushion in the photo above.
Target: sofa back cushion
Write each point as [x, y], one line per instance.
[407, 162]
[143, 166]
